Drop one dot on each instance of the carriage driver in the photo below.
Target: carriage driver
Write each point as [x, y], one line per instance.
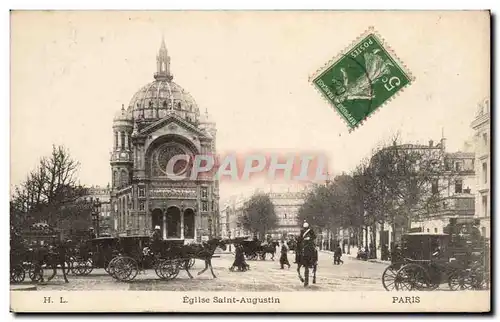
[156, 239]
[306, 234]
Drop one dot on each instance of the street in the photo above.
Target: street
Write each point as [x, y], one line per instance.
[353, 275]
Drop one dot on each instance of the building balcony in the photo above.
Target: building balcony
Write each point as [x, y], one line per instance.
[457, 205]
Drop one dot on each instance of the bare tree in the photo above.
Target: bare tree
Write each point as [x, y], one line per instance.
[46, 189]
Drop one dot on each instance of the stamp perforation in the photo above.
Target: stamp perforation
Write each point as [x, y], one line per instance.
[392, 55]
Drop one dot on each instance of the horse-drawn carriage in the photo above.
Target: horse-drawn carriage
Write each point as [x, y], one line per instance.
[255, 249]
[30, 257]
[426, 261]
[94, 253]
[166, 257]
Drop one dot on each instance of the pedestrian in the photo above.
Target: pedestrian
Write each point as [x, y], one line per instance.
[92, 234]
[284, 255]
[239, 260]
[337, 257]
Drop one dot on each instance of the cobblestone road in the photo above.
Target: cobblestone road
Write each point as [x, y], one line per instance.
[353, 275]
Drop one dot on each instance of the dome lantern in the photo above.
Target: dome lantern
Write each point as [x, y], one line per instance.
[162, 96]
[163, 64]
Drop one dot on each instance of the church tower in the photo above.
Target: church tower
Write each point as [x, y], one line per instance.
[161, 122]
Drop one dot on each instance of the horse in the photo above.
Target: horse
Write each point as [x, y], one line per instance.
[203, 251]
[269, 249]
[51, 257]
[307, 257]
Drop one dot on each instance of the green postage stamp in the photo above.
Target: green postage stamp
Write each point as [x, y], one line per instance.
[363, 78]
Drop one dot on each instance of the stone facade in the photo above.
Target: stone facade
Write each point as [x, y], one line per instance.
[107, 224]
[286, 206]
[162, 121]
[481, 127]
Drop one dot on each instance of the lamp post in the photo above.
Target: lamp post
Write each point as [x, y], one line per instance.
[96, 209]
[229, 235]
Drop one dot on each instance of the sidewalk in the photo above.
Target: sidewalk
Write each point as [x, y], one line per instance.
[354, 253]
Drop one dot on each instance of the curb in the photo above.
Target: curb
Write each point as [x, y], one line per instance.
[351, 256]
[23, 287]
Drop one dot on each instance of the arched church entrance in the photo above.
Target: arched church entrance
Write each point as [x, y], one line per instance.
[173, 222]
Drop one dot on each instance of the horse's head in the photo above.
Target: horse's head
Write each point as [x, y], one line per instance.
[217, 242]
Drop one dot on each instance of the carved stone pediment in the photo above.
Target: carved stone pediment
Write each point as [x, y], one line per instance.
[172, 123]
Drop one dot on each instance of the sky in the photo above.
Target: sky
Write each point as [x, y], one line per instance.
[72, 71]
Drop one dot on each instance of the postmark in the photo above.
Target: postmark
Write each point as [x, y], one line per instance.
[362, 78]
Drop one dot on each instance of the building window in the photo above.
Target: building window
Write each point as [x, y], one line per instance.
[204, 192]
[204, 206]
[485, 140]
[122, 137]
[435, 230]
[485, 206]
[116, 179]
[142, 192]
[141, 206]
[458, 185]
[116, 140]
[427, 229]
[458, 166]
[124, 178]
[483, 231]
[485, 172]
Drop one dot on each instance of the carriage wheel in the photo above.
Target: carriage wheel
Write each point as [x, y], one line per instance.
[126, 269]
[472, 279]
[17, 274]
[157, 268]
[169, 269]
[107, 261]
[35, 272]
[112, 265]
[456, 281]
[478, 278]
[88, 267]
[389, 276]
[412, 277]
[78, 268]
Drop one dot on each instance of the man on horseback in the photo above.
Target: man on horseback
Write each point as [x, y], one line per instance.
[306, 234]
[306, 254]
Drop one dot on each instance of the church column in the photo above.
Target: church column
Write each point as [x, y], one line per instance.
[164, 222]
[126, 141]
[182, 225]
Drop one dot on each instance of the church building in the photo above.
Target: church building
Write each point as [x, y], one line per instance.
[161, 121]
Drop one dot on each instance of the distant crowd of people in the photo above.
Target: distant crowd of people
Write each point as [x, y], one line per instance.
[307, 234]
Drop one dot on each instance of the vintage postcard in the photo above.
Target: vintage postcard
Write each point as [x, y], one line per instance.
[250, 161]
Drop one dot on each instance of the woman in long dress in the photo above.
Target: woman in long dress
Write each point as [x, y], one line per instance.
[284, 255]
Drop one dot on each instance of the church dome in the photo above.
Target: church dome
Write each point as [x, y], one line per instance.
[163, 96]
[160, 97]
